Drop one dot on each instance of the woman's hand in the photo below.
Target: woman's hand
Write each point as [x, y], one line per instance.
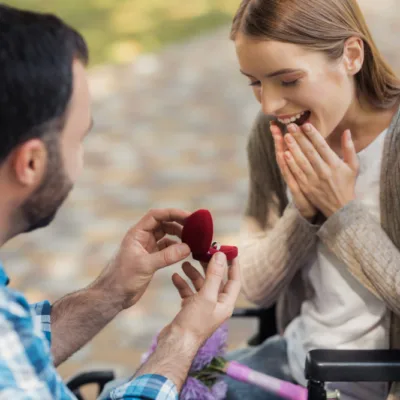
[305, 207]
[326, 181]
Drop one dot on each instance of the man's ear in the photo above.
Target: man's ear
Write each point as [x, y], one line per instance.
[353, 55]
[29, 163]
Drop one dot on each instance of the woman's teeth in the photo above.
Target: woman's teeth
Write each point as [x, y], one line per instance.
[287, 121]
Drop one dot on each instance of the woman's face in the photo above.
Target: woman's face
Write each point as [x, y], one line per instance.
[294, 84]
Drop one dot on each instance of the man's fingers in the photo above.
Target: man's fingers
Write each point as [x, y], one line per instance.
[165, 242]
[232, 286]
[214, 276]
[194, 275]
[168, 228]
[168, 256]
[182, 286]
[155, 217]
[173, 228]
[234, 271]
[204, 266]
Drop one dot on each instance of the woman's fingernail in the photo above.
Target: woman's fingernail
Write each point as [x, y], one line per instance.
[292, 128]
[289, 139]
[348, 135]
[220, 258]
[274, 128]
[288, 155]
[307, 127]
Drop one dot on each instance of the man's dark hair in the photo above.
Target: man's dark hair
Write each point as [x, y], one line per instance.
[36, 57]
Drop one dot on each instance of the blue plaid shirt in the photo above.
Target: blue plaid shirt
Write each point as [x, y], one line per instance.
[26, 366]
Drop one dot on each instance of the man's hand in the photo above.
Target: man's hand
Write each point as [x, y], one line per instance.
[143, 251]
[203, 311]
[79, 316]
[212, 302]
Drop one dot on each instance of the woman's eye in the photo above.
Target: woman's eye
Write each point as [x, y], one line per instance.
[255, 83]
[290, 83]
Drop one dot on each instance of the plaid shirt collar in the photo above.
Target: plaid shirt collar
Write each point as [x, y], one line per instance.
[4, 280]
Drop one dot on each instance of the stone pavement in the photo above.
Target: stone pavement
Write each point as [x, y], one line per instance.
[170, 130]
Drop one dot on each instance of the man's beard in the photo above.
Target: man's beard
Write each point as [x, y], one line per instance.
[41, 207]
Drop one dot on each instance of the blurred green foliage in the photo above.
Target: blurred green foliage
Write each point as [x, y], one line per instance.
[117, 30]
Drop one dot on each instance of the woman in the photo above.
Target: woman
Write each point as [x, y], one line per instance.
[324, 158]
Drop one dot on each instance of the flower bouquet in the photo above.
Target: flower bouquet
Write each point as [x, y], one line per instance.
[205, 381]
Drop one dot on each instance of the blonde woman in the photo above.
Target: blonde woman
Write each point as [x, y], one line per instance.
[324, 201]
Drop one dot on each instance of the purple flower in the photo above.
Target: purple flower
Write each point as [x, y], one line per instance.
[219, 390]
[214, 346]
[193, 389]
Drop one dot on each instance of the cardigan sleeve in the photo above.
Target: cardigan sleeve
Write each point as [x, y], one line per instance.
[358, 240]
[270, 259]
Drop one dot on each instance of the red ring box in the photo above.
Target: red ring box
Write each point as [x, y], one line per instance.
[198, 233]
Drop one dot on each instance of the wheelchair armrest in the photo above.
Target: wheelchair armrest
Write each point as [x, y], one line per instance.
[353, 365]
[100, 378]
[248, 312]
[266, 322]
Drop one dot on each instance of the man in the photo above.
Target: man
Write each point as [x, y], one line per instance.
[44, 116]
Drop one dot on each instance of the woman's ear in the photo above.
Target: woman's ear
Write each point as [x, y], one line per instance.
[29, 163]
[353, 55]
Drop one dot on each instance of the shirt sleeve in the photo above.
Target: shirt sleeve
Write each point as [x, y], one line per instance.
[27, 371]
[41, 314]
[146, 387]
[26, 366]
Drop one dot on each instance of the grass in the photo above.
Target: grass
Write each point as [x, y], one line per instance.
[118, 30]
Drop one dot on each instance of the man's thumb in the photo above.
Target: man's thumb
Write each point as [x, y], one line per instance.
[214, 276]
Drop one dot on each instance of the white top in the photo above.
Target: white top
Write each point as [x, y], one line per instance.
[343, 314]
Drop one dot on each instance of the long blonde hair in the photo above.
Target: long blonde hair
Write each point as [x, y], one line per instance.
[322, 25]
